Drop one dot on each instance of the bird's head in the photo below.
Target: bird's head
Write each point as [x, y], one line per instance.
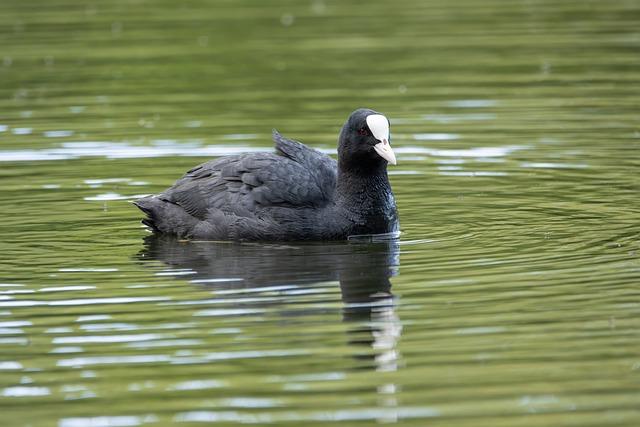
[365, 140]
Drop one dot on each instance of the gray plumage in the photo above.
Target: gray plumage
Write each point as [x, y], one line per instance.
[292, 194]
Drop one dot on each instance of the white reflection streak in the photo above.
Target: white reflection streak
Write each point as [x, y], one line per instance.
[107, 421]
[196, 385]
[84, 301]
[112, 360]
[25, 391]
[83, 339]
[175, 148]
[114, 150]
[363, 414]
[10, 366]
[464, 153]
[387, 330]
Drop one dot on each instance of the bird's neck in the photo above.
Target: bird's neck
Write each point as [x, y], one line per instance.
[364, 190]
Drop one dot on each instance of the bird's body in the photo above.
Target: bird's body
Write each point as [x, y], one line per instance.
[297, 193]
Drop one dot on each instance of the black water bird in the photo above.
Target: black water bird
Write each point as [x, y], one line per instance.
[297, 193]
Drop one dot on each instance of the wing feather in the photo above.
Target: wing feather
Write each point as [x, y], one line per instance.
[252, 184]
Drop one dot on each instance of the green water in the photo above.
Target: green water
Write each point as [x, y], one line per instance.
[511, 299]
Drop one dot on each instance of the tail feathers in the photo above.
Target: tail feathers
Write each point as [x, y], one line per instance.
[149, 223]
[149, 205]
[166, 217]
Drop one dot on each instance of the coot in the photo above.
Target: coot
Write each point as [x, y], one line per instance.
[296, 193]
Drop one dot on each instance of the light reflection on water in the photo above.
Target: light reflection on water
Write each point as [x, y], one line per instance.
[114, 150]
[510, 298]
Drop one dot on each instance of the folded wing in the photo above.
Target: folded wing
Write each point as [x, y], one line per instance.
[251, 185]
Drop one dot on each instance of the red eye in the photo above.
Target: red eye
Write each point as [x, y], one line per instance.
[364, 131]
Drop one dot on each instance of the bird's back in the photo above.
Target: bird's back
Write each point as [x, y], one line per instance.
[256, 196]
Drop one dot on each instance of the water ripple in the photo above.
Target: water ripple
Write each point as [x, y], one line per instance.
[81, 301]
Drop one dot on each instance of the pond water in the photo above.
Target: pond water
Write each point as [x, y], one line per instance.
[511, 297]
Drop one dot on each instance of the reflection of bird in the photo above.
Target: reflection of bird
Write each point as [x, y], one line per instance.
[296, 193]
[362, 268]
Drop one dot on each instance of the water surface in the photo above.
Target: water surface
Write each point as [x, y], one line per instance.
[511, 297]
